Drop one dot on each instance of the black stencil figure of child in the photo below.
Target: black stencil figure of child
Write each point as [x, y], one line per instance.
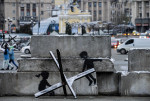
[88, 64]
[44, 82]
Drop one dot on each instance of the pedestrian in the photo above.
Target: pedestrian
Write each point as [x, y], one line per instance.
[11, 57]
[88, 64]
[6, 58]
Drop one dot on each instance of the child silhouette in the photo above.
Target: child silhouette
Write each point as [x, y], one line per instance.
[88, 64]
[44, 82]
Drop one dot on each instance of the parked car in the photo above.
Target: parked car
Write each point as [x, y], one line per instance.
[115, 42]
[26, 48]
[147, 33]
[142, 35]
[135, 33]
[133, 43]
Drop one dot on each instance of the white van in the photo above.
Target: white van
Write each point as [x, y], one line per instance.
[133, 43]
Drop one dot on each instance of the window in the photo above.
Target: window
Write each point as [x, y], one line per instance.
[100, 4]
[94, 4]
[41, 4]
[100, 18]
[147, 15]
[28, 9]
[94, 13]
[14, 4]
[14, 18]
[140, 15]
[42, 12]
[22, 11]
[100, 12]
[14, 12]
[89, 4]
[147, 3]
[34, 10]
[129, 42]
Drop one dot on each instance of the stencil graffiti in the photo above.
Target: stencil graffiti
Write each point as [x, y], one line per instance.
[44, 83]
[88, 64]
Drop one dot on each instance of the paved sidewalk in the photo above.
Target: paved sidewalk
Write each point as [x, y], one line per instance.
[80, 98]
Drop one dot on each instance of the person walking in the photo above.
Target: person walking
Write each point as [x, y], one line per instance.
[11, 57]
[6, 59]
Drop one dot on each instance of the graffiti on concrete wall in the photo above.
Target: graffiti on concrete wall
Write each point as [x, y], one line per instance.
[88, 64]
[44, 83]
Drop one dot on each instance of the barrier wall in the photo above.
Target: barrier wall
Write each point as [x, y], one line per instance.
[25, 82]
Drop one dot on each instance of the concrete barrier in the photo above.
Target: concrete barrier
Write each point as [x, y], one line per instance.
[69, 65]
[26, 84]
[71, 46]
[135, 84]
[108, 83]
[139, 60]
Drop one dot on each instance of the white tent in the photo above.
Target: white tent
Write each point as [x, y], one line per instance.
[44, 24]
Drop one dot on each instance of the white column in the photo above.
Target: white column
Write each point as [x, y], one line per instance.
[143, 9]
[103, 10]
[86, 8]
[92, 11]
[31, 9]
[61, 24]
[82, 5]
[108, 7]
[97, 10]
[25, 9]
[37, 10]
[80, 27]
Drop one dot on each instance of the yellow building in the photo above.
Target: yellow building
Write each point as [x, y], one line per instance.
[66, 15]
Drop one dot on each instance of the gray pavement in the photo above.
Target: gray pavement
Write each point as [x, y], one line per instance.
[80, 98]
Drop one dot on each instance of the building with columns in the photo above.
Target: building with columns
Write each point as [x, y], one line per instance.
[99, 9]
[75, 17]
[24, 11]
[141, 14]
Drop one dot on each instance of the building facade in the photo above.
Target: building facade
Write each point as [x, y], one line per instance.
[1, 14]
[20, 12]
[104, 10]
[99, 9]
[141, 14]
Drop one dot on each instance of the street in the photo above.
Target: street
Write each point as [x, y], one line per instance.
[120, 63]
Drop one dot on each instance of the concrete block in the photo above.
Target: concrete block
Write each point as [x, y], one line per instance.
[71, 46]
[108, 83]
[26, 83]
[139, 60]
[69, 65]
[135, 84]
